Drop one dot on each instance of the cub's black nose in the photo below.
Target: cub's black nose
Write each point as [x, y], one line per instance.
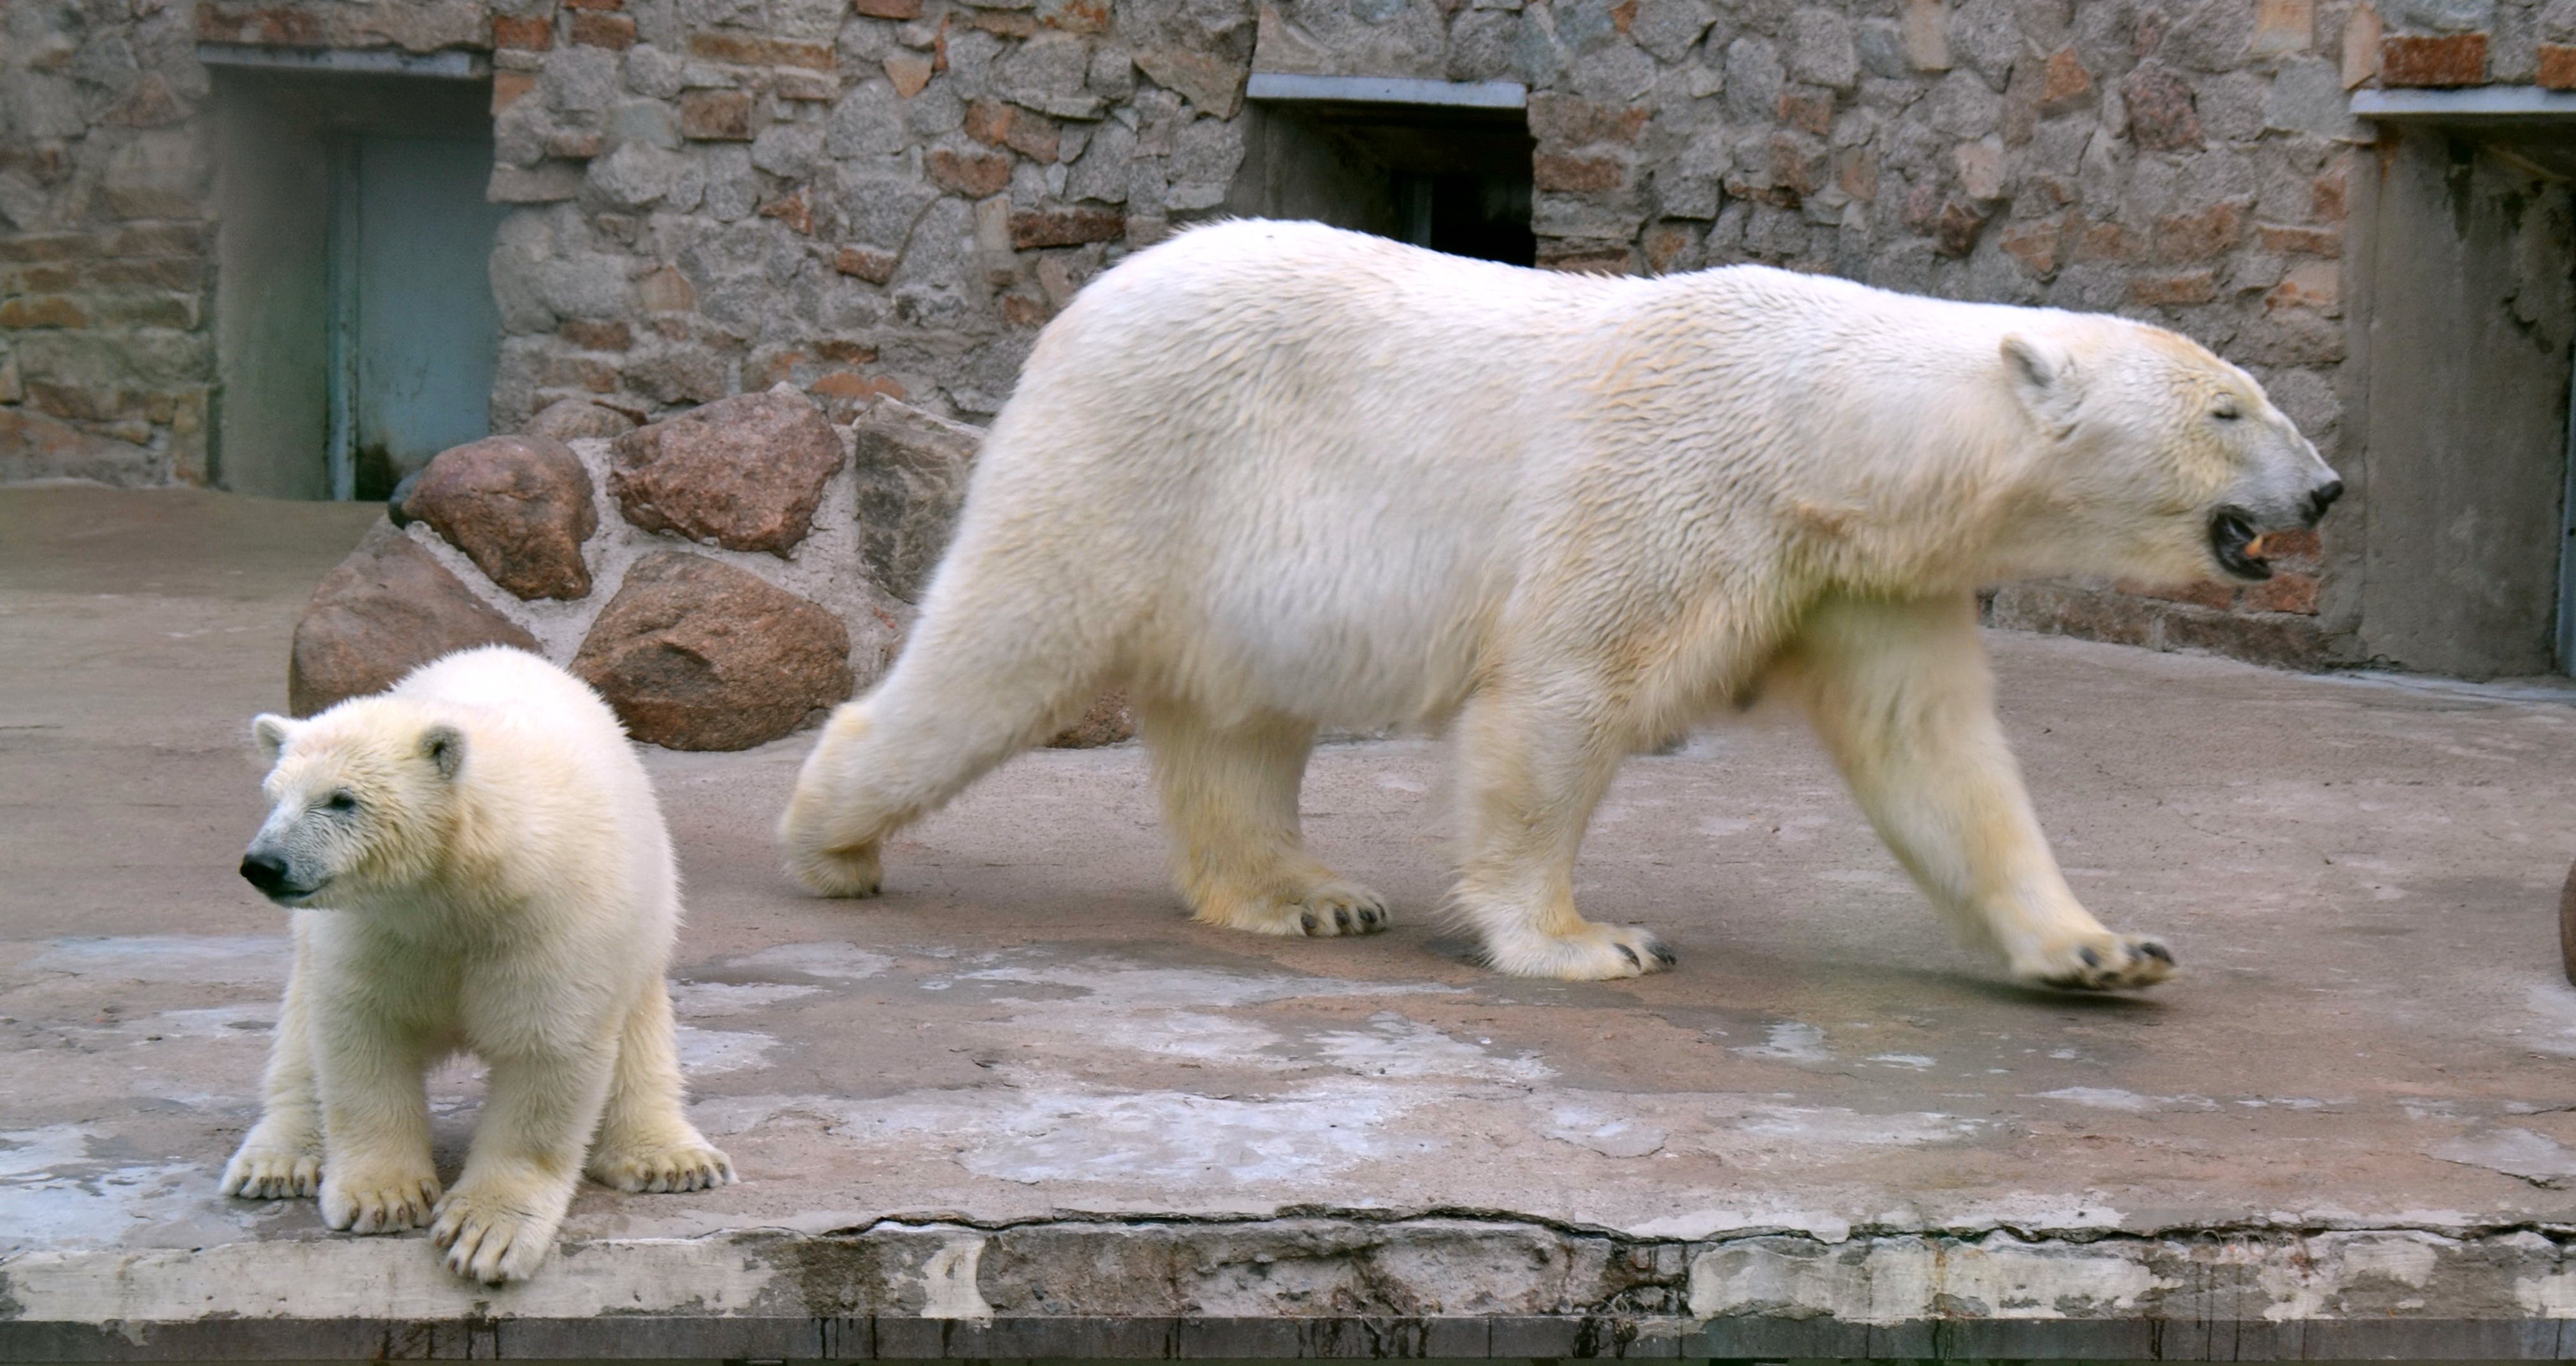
[267, 872]
[2322, 499]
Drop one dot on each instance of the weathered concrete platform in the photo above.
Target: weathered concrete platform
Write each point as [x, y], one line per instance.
[1021, 1108]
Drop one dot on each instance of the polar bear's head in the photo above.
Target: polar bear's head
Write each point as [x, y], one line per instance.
[2164, 462]
[361, 801]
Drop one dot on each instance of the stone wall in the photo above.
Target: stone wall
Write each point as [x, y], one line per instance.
[106, 357]
[889, 197]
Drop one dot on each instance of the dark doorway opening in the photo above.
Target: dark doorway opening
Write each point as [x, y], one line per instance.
[1448, 178]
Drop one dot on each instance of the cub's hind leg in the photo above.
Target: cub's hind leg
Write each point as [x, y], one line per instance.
[1230, 801]
[645, 1140]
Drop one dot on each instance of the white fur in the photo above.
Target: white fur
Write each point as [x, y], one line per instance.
[500, 883]
[1271, 476]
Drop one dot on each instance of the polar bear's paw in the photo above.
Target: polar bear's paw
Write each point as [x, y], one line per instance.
[273, 1174]
[495, 1231]
[838, 872]
[1591, 953]
[1322, 909]
[686, 1165]
[2098, 961]
[378, 1198]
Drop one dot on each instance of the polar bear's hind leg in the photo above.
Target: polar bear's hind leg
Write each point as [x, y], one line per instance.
[1230, 802]
[645, 1140]
[974, 687]
[1535, 760]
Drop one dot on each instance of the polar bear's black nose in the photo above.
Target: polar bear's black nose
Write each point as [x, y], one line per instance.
[2322, 499]
[267, 872]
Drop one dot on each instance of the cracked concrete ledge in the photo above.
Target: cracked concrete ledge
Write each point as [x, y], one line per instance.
[1021, 1107]
[1318, 1287]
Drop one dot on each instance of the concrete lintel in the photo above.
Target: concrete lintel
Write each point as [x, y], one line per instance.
[2479, 104]
[447, 66]
[1279, 87]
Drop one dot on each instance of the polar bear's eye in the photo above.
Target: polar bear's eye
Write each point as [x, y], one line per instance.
[340, 802]
[2224, 409]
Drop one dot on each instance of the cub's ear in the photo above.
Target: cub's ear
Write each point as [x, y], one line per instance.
[270, 732]
[445, 747]
[2044, 377]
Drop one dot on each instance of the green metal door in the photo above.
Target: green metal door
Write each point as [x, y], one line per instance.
[414, 331]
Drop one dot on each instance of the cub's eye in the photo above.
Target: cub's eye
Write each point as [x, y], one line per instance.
[340, 801]
[2224, 410]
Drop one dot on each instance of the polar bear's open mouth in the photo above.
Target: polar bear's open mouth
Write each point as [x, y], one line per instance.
[2233, 540]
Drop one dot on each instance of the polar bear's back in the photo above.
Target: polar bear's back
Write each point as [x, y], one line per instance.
[514, 683]
[1317, 469]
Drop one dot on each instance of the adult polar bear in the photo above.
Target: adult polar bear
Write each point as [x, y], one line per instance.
[1271, 476]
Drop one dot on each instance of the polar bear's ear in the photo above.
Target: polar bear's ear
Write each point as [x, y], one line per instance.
[445, 747]
[2043, 374]
[269, 731]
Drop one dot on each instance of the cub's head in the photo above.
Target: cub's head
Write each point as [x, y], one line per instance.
[361, 800]
[2165, 463]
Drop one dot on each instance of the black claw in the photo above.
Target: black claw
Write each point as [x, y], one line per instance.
[1664, 956]
[1342, 919]
[2091, 959]
[1307, 919]
[1369, 918]
[1631, 955]
[2157, 951]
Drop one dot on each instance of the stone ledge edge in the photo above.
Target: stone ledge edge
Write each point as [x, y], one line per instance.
[927, 1291]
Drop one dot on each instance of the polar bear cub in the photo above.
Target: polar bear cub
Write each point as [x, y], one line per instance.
[476, 863]
[1275, 476]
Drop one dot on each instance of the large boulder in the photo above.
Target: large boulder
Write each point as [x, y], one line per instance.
[570, 419]
[386, 610]
[697, 654]
[518, 506]
[911, 478]
[745, 473]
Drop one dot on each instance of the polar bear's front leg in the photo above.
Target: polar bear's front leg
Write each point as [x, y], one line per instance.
[371, 1072]
[1535, 759]
[1901, 694]
[538, 1117]
[281, 1157]
[646, 1142]
[1230, 803]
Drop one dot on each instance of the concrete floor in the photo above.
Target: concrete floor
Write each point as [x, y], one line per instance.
[2353, 1112]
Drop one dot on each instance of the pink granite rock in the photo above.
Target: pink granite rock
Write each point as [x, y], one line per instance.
[696, 654]
[386, 610]
[745, 473]
[518, 506]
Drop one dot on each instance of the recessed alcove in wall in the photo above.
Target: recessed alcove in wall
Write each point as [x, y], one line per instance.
[356, 334]
[2462, 298]
[1440, 164]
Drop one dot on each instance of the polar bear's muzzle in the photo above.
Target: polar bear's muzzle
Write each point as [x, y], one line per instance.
[274, 876]
[2236, 535]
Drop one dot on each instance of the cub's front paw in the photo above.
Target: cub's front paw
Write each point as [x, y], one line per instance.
[1590, 953]
[273, 1174]
[688, 1165]
[496, 1231]
[1322, 907]
[2098, 962]
[1333, 907]
[378, 1199]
